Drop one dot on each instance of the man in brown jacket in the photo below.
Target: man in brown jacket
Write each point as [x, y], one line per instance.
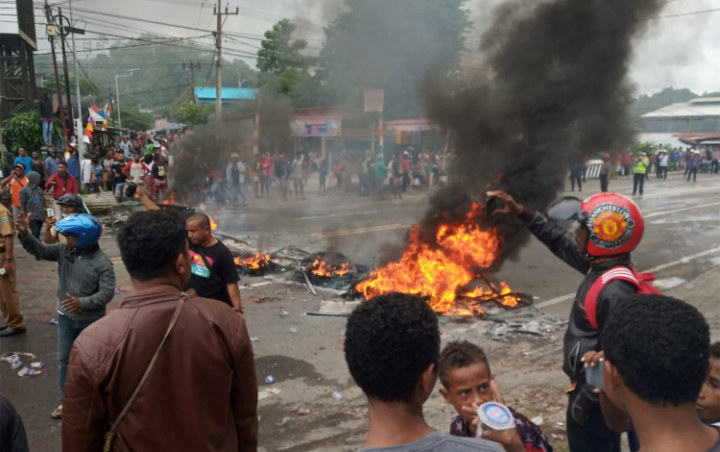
[201, 393]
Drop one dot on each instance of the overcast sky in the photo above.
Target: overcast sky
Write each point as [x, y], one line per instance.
[682, 51]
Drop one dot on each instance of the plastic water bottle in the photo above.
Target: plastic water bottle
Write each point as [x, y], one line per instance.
[269, 379]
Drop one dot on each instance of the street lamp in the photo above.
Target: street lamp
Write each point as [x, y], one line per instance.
[117, 91]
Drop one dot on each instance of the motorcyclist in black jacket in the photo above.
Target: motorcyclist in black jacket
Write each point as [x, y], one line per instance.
[607, 227]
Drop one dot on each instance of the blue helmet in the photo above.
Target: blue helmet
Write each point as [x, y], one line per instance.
[87, 228]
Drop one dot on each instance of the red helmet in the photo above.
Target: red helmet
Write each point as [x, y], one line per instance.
[614, 222]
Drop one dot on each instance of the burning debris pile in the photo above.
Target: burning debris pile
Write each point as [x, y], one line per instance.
[256, 265]
[445, 261]
[333, 271]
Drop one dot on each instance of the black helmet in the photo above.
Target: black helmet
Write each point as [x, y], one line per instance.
[71, 200]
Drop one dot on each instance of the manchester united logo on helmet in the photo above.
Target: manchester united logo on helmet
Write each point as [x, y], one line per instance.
[611, 225]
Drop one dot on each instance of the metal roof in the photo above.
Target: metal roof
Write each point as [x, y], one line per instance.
[206, 94]
[700, 107]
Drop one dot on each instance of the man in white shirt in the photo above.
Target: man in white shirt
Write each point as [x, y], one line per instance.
[235, 175]
[125, 146]
[85, 171]
[663, 160]
[136, 170]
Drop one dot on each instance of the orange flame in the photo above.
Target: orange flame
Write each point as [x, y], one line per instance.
[171, 199]
[253, 263]
[320, 267]
[441, 271]
[213, 224]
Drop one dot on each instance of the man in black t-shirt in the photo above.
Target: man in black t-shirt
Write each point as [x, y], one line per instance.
[213, 270]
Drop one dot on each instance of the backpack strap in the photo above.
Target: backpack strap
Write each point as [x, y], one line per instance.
[622, 273]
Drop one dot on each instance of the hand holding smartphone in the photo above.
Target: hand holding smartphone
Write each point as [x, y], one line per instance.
[594, 375]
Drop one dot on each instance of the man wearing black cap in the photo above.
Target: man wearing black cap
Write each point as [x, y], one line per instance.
[68, 204]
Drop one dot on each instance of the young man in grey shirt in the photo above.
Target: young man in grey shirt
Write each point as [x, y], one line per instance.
[392, 346]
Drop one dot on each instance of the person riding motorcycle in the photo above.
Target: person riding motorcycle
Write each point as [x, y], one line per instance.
[606, 228]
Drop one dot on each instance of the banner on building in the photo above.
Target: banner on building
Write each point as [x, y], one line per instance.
[316, 126]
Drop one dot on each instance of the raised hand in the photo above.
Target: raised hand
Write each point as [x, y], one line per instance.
[511, 207]
[23, 224]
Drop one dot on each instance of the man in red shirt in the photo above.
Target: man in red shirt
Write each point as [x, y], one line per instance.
[61, 183]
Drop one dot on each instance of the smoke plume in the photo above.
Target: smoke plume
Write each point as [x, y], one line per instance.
[553, 87]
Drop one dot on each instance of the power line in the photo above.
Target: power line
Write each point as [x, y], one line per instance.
[168, 42]
[693, 13]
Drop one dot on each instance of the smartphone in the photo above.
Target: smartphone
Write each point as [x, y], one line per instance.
[491, 205]
[594, 376]
[50, 212]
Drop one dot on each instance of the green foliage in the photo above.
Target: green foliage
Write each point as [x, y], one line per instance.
[87, 88]
[392, 46]
[641, 147]
[161, 77]
[279, 52]
[193, 114]
[134, 119]
[25, 130]
[646, 104]
[283, 67]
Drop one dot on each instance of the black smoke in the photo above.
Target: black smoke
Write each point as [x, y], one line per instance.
[553, 86]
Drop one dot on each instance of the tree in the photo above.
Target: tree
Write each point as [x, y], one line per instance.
[87, 88]
[283, 67]
[25, 130]
[162, 77]
[392, 46]
[645, 104]
[193, 114]
[134, 119]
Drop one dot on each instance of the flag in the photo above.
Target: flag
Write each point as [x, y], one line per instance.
[89, 127]
[95, 108]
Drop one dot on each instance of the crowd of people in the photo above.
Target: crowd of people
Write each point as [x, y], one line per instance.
[641, 165]
[341, 172]
[119, 374]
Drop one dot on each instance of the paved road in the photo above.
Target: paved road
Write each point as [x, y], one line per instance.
[681, 239]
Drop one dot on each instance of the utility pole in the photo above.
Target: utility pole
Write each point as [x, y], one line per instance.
[63, 32]
[192, 67]
[52, 31]
[78, 124]
[218, 49]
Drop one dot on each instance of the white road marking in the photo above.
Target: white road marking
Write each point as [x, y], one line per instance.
[335, 215]
[344, 232]
[682, 209]
[684, 260]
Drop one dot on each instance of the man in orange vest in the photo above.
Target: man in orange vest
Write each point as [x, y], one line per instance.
[17, 180]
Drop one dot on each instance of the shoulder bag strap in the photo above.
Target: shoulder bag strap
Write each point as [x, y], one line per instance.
[111, 433]
[214, 275]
